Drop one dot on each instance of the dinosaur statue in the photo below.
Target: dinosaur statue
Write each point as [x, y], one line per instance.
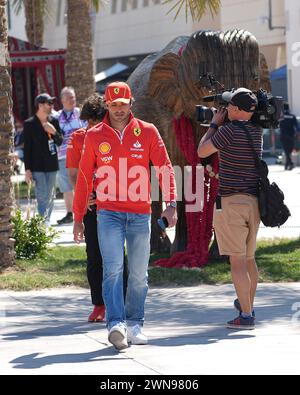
[166, 87]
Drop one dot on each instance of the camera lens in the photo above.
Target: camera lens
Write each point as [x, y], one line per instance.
[204, 114]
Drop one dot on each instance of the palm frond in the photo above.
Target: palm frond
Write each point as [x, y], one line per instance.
[45, 6]
[17, 6]
[196, 8]
[97, 4]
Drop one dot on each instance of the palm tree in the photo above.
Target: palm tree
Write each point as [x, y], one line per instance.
[35, 10]
[79, 66]
[6, 190]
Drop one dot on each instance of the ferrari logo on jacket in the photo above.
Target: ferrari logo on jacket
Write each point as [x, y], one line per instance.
[137, 132]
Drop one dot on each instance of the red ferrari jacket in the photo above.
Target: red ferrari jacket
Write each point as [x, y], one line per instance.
[121, 164]
[74, 149]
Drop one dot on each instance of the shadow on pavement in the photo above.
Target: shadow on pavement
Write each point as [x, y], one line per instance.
[36, 361]
[174, 317]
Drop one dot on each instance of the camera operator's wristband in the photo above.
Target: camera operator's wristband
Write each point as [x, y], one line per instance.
[214, 126]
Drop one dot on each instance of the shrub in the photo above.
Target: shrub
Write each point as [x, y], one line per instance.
[31, 235]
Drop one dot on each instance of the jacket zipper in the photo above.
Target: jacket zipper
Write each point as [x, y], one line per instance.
[120, 134]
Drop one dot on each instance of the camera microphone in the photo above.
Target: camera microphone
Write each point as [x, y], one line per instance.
[209, 98]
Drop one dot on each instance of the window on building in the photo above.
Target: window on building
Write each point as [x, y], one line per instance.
[66, 13]
[8, 16]
[58, 13]
[134, 4]
[145, 3]
[124, 6]
[114, 6]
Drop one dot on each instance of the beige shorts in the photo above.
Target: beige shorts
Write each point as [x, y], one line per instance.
[236, 225]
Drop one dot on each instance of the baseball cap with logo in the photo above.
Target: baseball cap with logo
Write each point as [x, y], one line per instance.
[118, 91]
[44, 98]
[243, 98]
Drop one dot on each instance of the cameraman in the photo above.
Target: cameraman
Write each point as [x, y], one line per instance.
[236, 217]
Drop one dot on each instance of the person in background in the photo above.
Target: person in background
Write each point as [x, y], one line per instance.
[69, 120]
[288, 127]
[41, 136]
[19, 140]
[18, 147]
[93, 112]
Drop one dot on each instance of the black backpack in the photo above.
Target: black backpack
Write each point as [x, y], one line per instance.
[273, 211]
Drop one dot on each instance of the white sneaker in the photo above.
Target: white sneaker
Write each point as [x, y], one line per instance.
[135, 335]
[117, 337]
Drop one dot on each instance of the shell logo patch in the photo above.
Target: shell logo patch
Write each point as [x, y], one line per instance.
[137, 132]
[116, 90]
[104, 148]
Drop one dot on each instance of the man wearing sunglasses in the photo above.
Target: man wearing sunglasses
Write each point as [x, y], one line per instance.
[236, 216]
[41, 136]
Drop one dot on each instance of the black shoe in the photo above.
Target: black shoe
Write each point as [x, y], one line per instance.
[68, 219]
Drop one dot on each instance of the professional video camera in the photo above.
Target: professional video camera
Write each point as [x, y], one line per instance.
[266, 114]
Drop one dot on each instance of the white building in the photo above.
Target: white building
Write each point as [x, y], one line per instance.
[16, 23]
[128, 28]
[293, 52]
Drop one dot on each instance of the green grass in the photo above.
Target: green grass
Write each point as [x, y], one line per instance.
[278, 260]
[60, 266]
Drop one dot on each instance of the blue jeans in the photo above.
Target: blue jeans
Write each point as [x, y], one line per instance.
[44, 192]
[113, 229]
[63, 181]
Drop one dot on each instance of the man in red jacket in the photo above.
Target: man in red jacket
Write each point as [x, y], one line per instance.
[120, 150]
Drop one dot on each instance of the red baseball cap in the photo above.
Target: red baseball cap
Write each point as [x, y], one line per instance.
[118, 91]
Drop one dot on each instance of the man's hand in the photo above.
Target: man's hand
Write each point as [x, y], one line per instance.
[28, 176]
[78, 232]
[91, 201]
[170, 214]
[219, 116]
[49, 128]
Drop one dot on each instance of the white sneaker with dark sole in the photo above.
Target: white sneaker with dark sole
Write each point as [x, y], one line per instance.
[117, 336]
[135, 335]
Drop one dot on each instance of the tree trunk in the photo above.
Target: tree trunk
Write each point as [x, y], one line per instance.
[6, 140]
[79, 66]
[34, 25]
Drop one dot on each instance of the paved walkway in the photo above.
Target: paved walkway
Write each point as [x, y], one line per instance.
[45, 332]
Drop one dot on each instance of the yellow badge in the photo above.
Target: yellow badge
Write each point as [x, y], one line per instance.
[116, 90]
[137, 132]
[104, 148]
